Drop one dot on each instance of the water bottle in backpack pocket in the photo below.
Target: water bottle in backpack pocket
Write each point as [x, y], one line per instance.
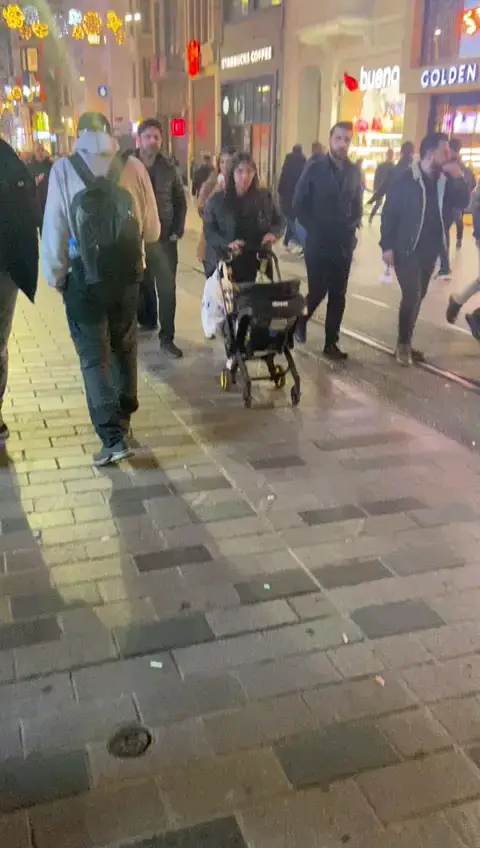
[106, 232]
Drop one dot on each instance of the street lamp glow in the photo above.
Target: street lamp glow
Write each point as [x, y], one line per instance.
[81, 79]
[438, 32]
[133, 17]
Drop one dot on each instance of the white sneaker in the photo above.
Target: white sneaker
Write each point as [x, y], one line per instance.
[387, 276]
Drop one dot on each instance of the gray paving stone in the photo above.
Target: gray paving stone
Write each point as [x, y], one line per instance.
[219, 832]
[34, 697]
[389, 507]
[417, 787]
[315, 605]
[218, 785]
[356, 660]
[10, 739]
[194, 697]
[100, 817]
[200, 484]
[445, 514]
[414, 560]
[138, 639]
[465, 819]
[331, 515]
[363, 440]
[357, 700]
[461, 717]
[7, 671]
[122, 677]
[38, 779]
[74, 652]
[168, 512]
[457, 606]
[252, 617]
[24, 561]
[429, 832]
[138, 494]
[290, 674]
[400, 651]
[352, 573]
[390, 619]
[274, 462]
[222, 511]
[414, 733]
[449, 679]
[15, 831]
[279, 584]
[322, 756]
[20, 634]
[453, 640]
[197, 598]
[172, 558]
[306, 818]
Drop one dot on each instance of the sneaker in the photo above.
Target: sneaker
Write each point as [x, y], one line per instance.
[444, 275]
[459, 245]
[417, 355]
[453, 309]
[107, 456]
[474, 325]
[403, 355]
[4, 431]
[170, 348]
[333, 352]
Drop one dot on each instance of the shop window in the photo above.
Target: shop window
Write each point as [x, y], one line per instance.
[237, 9]
[147, 87]
[442, 31]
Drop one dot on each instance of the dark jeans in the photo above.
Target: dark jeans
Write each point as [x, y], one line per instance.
[458, 219]
[290, 233]
[413, 274]
[103, 327]
[328, 274]
[445, 254]
[158, 289]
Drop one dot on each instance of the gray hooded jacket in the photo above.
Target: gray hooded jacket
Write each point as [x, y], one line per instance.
[98, 150]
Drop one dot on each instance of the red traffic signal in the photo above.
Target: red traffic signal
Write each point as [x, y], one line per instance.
[193, 58]
[178, 127]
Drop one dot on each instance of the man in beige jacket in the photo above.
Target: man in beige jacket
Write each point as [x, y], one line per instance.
[102, 322]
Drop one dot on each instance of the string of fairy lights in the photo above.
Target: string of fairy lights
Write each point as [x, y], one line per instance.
[87, 26]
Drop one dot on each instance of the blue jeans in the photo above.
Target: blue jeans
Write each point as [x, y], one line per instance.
[103, 327]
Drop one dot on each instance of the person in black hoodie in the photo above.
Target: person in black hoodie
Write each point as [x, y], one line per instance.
[289, 177]
[19, 221]
[328, 204]
[158, 291]
[40, 166]
[413, 230]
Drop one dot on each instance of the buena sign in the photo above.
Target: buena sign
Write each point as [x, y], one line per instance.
[253, 57]
[379, 78]
[465, 74]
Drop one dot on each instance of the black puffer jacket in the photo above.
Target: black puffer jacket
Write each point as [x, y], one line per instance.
[404, 210]
[19, 219]
[170, 196]
[291, 173]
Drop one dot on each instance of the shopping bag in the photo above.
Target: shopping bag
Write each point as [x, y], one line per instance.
[213, 309]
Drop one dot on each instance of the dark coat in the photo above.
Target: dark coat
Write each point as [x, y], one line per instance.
[328, 203]
[403, 163]
[220, 225]
[200, 176]
[382, 174]
[404, 210]
[19, 221]
[38, 169]
[170, 196]
[291, 173]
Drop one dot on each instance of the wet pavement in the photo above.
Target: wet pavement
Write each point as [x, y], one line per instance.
[286, 598]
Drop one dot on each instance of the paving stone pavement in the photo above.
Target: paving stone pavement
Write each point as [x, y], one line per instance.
[287, 599]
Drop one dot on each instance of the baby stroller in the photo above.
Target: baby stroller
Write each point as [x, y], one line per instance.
[260, 319]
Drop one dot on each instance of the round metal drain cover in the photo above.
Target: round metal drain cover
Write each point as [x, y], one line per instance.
[129, 741]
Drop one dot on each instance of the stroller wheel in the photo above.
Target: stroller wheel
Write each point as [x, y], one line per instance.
[295, 395]
[225, 379]
[279, 377]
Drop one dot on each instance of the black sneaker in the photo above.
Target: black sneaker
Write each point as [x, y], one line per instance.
[171, 349]
[4, 432]
[417, 355]
[108, 456]
[453, 310]
[333, 352]
[474, 325]
[459, 245]
[444, 274]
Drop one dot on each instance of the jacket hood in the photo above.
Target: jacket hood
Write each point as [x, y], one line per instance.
[96, 144]
[417, 172]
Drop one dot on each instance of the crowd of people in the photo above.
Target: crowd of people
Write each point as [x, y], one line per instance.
[110, 225]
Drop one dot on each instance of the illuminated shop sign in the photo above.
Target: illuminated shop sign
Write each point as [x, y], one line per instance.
[379, 78]
[454, 75]
[471, 21]
[253, 57]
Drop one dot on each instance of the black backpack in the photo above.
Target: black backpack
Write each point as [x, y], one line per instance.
[108, 237]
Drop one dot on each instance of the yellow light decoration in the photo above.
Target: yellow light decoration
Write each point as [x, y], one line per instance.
[92, 23]
[13, 16]
[25, 32]
[16, 92]
[40, 30]
[10, 96]
[119, 36]
[113, 21]
[78, 32]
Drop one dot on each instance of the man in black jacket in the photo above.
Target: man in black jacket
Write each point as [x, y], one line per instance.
[289, 177]
[19, 220]
[407, 151]
[382, 175]
[162, 258]
[413, 232]
[328, 204]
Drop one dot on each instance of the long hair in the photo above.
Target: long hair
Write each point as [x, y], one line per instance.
[225, 151]
[230, 190]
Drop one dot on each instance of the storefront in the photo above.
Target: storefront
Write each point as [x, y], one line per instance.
[249, 92]
[370, 97]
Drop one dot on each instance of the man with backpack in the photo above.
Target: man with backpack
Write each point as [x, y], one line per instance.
[19, 220]
[100, 209]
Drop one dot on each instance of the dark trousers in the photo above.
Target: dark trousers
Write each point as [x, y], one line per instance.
[328, 274]
[458, 218]
[290, 233]
[375, 208]
[445, 254]
[104, 331]
[413, 273]
[158, 289]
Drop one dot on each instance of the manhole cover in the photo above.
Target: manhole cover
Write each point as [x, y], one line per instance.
[130, 740]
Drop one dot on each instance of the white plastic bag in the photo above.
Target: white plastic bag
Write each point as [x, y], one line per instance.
[213, 310]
